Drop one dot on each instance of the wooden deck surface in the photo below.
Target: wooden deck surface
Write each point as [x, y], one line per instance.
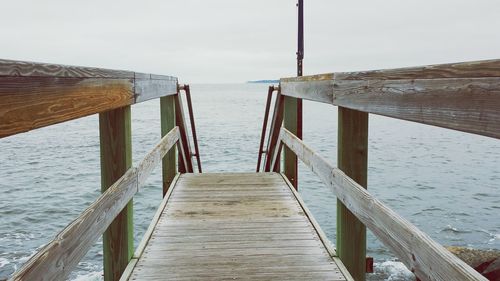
[234, 227]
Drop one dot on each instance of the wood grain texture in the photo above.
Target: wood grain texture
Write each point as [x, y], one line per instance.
[234, 235]
[153, 159]
[34, 95]
[422, 255]
[33, 69]
[167, 116]
[464, 96]
[352, 159]
[115, 134]
[322, 235]
[56, 260]
[28, 103]
[290, 122]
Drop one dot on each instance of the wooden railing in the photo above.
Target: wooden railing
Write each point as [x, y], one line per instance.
[461, 96]
[35, 95]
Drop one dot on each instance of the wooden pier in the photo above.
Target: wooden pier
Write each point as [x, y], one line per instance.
[243, 226]
[254, 225]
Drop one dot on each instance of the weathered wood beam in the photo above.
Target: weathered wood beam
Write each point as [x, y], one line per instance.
[291, 123]
[461, 96]
[56, 260]
[352, 159]
[167, 112]
[35, 95]
[420, 253]
[115, 133]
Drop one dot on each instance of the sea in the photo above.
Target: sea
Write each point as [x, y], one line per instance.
[445, 182]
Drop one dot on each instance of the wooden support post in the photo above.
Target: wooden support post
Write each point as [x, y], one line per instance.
[293, 123]
[352, 160]
[116, 159]
[167, 111]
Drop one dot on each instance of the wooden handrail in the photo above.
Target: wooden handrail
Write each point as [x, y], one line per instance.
[56, 259]
[422, 255]
[461, 96]
[35, 95]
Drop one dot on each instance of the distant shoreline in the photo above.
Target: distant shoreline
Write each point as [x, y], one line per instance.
[264, 81]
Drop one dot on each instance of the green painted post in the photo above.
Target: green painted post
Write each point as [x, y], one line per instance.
[116, 159]
[291, 123]
[353, 160]
[167, 110]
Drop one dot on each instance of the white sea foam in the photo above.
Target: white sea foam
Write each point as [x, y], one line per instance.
[90, 276]
[3, 262]
[393, 271]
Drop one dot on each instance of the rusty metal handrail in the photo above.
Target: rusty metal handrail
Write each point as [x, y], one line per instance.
[264, 125]
[187, 90]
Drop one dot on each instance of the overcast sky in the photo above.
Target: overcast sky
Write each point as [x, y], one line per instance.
[240, 40]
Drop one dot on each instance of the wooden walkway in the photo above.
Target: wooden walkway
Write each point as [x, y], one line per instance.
[244, 226]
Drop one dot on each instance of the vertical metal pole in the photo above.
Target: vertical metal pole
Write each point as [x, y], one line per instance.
[293, 106]
[300, 57]
[300, 38]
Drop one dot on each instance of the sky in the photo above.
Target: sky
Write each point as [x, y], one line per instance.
[235, 41]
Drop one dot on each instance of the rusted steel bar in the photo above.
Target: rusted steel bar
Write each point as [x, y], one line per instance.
[274, 131]
[181, 122]
[264, 125]
[193, 127]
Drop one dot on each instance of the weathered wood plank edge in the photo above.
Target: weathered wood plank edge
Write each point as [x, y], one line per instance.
[13, 68]
[58, 257]
[472, 69]
[36, 95]
[149, 232]
[464, 100]
[418, 251]
[322, 236]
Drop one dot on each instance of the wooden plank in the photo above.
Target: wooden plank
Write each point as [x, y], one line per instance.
[116, 158]
[422, 255]
[352, 159]
[33, 69]
[156, 155]
[474, 69]
[329, 247]
[464, 96]
[56, 259]
[315, 87]
[262, 239]
[28, 103]
[167, 112]
[34, 95]
[148, 89]
[147, 235]
[290, 122]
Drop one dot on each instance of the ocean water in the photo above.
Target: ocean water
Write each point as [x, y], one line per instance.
[445, 182]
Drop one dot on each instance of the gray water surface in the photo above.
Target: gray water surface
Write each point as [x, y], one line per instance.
[443, 181]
